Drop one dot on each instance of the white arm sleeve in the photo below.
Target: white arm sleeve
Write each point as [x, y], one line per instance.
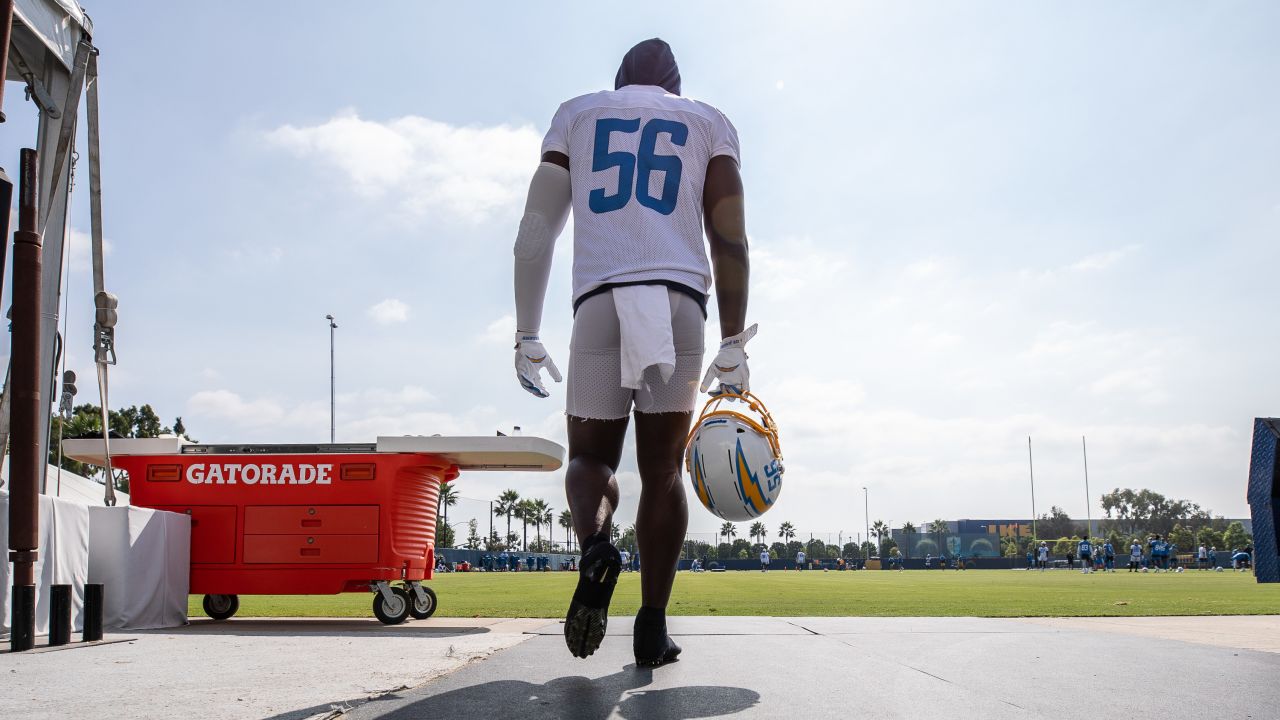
[545, 214]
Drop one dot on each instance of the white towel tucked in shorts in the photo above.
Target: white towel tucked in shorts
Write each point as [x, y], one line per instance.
[644, 324]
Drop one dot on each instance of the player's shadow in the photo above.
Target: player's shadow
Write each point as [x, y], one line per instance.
[577, 698]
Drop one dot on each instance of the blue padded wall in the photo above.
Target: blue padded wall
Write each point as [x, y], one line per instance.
[1264, 498]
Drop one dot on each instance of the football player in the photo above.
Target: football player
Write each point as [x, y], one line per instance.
[1085, 550]
[645, 171]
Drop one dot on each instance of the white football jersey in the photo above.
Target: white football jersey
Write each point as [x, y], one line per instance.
[637, 162]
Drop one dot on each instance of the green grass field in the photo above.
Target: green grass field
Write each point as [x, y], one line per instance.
[982, 593]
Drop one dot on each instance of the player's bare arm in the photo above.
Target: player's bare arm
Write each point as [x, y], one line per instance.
[725, 220]
[725, 224]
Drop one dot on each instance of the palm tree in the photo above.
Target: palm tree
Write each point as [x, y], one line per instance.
[786, 531]
[880, 531]
[939, 527]
[448, 498]
[566, 522]
[506, 505]
[758, 531]
[909, 527]
[538, 511]
[524, 512]
[549, 519]
[728, 531]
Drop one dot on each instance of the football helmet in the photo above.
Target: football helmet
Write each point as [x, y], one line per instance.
[735, 461]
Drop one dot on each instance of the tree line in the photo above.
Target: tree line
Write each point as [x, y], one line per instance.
[86, 422]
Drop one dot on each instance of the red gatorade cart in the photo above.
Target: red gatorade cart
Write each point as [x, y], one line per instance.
[311, 519]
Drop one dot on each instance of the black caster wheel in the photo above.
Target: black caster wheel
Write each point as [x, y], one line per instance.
[221, 607]
[395, 611]
[423, 610]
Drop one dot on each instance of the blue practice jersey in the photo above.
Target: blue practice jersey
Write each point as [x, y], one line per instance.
[1108, 550]
[1085, 548]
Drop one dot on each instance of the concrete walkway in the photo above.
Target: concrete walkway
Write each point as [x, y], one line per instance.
[245, 668]
[878, 668]
[1241, 632]
[733, 667]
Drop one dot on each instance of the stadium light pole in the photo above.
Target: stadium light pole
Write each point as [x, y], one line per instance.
[1032, 466]
[866, 511]
[332, 404]
[1088, 511]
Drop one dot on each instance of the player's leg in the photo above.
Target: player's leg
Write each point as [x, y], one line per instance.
[598, 408]
[663, 515]
[661, 521]
[664, 412]
[595, 449]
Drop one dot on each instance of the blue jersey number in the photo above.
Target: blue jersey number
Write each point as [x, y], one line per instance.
[636, 169]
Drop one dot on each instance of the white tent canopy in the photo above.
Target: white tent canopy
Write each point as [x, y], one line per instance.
[55, 24]
[69, 486]
[48, 51]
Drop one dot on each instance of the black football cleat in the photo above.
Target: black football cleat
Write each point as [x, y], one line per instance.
[650, 642]
[588, 616]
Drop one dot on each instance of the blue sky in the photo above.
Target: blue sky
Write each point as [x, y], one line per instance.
[970, 223]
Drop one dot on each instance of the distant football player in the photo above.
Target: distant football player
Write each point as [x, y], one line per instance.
[646, 171]
[1085, 549]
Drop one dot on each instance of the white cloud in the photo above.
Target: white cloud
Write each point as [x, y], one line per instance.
[423, 165]
[500, 331]
[227, 405]
[255, 255]
[1103, 260]
[929, 267]
[1146, 383]
[80, 249]
[362, 416]
[258, 255]
[389, 312]
[794, 266]
[1108, 364]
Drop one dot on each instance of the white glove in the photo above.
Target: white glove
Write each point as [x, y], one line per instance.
[531, 358]
[730, 365]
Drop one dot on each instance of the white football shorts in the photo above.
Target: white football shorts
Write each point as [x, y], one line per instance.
[594, 388]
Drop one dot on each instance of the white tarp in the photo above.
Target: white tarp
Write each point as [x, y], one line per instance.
[69, 486]
[55, 23]
[143, 558]
[63, 558]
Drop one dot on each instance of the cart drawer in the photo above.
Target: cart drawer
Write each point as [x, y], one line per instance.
[311, 519]
[290, 549]
[213, 531]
